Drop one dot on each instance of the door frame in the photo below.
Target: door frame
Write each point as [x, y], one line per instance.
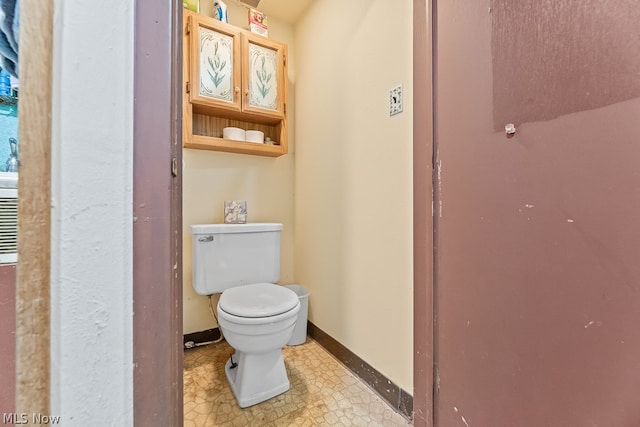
[423, 219]
[423, 120]
[157, 197]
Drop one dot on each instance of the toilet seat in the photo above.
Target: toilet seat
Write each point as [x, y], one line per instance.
[258, 300]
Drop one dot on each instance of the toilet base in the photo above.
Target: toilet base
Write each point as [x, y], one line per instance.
[257, 377]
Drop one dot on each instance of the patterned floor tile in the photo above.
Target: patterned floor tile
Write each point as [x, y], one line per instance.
[323, 393]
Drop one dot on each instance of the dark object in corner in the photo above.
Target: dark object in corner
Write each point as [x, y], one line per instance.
[196, 339]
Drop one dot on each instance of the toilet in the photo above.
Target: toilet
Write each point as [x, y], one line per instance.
[256, 316]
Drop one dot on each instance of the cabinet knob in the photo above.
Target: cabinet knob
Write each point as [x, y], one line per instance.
[237, 89]
[246, 92]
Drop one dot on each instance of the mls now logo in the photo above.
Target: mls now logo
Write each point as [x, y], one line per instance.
[23, 418]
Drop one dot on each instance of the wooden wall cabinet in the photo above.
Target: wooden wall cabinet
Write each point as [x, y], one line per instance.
[232, 78]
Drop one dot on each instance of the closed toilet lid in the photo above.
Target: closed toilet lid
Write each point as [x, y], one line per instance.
[257, 300]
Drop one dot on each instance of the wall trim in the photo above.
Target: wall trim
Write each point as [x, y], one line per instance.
[395, 396]
[33, 347]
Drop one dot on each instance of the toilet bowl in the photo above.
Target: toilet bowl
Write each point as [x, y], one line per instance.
[256, 316]
[257, 320]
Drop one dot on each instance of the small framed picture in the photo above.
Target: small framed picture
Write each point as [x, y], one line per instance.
[235, 212]
[258, 23]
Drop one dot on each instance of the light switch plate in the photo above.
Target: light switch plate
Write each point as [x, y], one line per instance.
[395, 100]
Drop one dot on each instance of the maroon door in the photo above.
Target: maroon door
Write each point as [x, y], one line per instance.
[537, 234]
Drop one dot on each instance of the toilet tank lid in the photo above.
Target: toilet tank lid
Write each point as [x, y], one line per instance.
[252, 227]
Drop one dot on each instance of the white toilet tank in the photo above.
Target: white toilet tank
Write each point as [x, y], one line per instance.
[228, 255]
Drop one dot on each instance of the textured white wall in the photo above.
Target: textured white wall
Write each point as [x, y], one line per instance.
[353, 206]
[91, 258]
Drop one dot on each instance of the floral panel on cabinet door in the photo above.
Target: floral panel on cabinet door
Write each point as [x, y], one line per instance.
[263, 77]
[216, 65]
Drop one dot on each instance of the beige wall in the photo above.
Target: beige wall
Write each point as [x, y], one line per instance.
[353, 205]
[210, 178]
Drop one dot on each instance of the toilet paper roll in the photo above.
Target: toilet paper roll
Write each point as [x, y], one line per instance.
[235, 134]
[254, 136]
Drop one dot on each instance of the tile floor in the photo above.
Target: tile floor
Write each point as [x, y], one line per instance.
[323, 393]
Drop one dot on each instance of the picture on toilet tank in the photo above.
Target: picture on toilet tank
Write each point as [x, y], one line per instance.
[235, 212]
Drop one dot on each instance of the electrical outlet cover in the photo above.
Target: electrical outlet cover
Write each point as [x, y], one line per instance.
[395, 100]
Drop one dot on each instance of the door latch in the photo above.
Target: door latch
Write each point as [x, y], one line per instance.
[174, 167]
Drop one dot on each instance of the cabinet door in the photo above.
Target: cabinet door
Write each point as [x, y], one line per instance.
[263, 76]
[215, 59]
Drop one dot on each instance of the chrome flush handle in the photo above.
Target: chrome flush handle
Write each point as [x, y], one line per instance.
[205, 239]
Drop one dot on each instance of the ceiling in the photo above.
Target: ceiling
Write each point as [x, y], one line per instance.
[285, 10]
